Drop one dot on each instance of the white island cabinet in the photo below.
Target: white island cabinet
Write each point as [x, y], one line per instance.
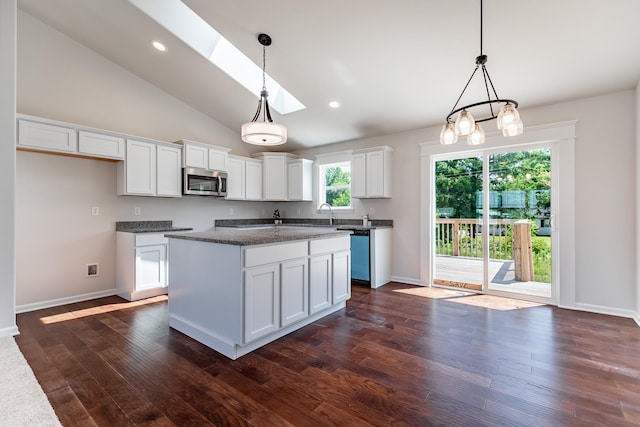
[236, 298]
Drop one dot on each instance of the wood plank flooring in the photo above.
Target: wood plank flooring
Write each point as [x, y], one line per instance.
[399, 355]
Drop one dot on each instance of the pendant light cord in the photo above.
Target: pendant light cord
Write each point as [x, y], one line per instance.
[480, 27]
[264, 66]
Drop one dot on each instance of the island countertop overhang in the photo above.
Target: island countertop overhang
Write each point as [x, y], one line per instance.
[259, 236]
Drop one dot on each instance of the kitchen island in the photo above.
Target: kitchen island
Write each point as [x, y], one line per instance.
[237, 290]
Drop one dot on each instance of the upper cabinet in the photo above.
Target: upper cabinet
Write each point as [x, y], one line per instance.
[204, 156]
[285, 177]
[63, 138]
[371, 171]
[300, 179]
[244, 178]
[274, 175]
[150, 169]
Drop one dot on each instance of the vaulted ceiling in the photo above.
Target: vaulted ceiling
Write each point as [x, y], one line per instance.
[393, 65]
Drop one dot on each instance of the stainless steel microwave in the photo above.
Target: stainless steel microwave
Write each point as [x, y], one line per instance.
[203, 182]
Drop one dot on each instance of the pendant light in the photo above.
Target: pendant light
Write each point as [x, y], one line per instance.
[507, 120]
[264, 132]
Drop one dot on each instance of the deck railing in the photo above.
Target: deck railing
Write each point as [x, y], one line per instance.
[463, 237]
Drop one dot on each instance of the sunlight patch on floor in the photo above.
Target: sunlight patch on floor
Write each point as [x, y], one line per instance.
[71, 315]
[469, 298]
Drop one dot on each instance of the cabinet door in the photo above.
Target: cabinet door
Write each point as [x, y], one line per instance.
[341, 276]
[169, 172]
[47, 137]
[261, 301]
[151, 267]
[217, 160]
[253, 180]
[319, 283]
[274, 178]
[235, 178]
[295, 181]
[294, 291]
[358, 175]
[375, 174]
[140, 168]
[97, 144]
[196, 156]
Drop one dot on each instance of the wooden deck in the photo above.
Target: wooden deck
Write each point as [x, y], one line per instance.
[467, 273]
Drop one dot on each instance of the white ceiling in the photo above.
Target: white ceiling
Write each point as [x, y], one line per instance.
[393, 65]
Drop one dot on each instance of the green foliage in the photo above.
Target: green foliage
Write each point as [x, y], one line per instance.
[338, 197]
[336, 177]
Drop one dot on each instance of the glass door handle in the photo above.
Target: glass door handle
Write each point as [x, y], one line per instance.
[552, 222]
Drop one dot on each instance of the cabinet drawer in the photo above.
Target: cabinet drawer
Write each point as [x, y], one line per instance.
[146, 239]
[334, 244]
[274, 253]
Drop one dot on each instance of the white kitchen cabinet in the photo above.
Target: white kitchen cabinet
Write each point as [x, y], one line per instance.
[168, 171]
[319, 283]
[141, 265]
[253, 179]
[236, 299]
[140, 169]
[235, 178]
[371, 171]
[42, 136]
[300, 179]
[150, 169]
[203, 156]
[101, 145]
[294, 291]
[261, 301]
[244, 178]
[274, 175]
[341, 276]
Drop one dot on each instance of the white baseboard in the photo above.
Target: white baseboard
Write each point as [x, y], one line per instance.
[9, 332]
[637, 318]
[62, 301]
[408, 281]
[600, 309]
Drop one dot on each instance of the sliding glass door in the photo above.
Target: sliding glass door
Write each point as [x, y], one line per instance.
[493, 222]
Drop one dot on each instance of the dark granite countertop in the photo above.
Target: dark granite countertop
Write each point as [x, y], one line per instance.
[339, 223]
[148, 226]
[260, 235]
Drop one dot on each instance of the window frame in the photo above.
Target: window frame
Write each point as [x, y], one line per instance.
[322, 188]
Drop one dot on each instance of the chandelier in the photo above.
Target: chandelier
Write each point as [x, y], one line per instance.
[264, 132]
[508, 118]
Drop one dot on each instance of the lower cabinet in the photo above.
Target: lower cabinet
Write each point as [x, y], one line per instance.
[294, 291]
[341, 276]
[261, 301]
[142, 265]
[319, 283]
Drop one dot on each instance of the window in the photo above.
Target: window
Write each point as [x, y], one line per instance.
[335, 185]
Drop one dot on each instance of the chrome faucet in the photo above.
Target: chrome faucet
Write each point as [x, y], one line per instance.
[330, 212]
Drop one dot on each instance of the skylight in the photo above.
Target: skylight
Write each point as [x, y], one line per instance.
[188, 26]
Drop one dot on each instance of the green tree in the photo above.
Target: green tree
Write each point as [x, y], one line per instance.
[335, 178]
[457, 182]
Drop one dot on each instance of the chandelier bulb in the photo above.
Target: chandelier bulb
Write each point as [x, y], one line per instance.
[477, 136]
[448, 135]
[514, 128]
[464, 123]
[508, 114]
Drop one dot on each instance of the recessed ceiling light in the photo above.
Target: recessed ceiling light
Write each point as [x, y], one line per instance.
[159, 46]
[334, 104]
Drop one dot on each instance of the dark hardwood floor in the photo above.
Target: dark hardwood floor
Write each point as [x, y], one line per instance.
[398, 355]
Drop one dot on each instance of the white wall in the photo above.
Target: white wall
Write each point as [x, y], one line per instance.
[56, 234]
[7, 166]
[637, 122]
[605, 197]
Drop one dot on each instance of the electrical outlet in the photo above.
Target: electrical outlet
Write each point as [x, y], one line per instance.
[95, 211]
[372, 211]
[137, 211]
[230, 211]
[93, 269]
